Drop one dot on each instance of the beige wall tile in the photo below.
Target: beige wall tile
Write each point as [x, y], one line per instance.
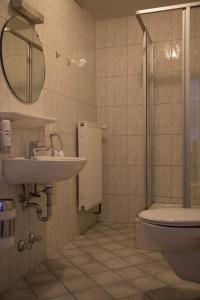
[135, 120]
[160, 26]
[136, 180]
[162, 88]
[135, 90]
[163, 119]
[162, 57]
[101, 62]
[118, 180]
[177, 55]
[117, 91]
[163, 150]
[117, 32]
[101, 34]
[115, 150]
[117, 120]
[135, 35]
[136, 150]
[177, 95]
[177, 118]
[163, 178]
[134, 60]
[111, 212]
[117, 61]
[176, 24]
[177, 182]
[101, 92]
[177, 150]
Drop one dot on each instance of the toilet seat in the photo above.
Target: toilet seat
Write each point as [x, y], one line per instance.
[172, 217]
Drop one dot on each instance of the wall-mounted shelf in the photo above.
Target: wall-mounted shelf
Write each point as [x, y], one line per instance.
[26, 120]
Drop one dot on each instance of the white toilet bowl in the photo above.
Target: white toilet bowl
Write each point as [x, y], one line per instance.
[176, 233]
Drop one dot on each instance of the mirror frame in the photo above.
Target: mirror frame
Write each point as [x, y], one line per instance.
[2, 64]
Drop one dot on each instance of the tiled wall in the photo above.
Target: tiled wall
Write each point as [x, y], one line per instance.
[120, 107]
[68, 95]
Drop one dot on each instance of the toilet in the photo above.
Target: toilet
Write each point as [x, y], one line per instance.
[175, 232]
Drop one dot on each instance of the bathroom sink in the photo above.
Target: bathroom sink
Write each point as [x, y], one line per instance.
[43, 170]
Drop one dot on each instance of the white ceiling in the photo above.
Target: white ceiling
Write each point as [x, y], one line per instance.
[102, 9]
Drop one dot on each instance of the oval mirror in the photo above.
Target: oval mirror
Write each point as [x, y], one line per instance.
[22, 59]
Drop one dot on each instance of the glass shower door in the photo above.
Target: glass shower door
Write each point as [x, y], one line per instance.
[149, 118]
[195, 104]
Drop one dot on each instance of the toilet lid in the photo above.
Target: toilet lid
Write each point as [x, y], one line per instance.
[173, 216]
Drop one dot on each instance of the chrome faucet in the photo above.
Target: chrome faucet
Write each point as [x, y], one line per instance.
[34, 148]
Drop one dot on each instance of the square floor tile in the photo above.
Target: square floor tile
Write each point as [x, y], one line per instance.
[125, 252]
[94, 236]
[79, 284]
[110, 233]
[138, 259]
[93, 294]
[119, 237]
[68, 246]
[120, 290]
[103, 256]
[64, 297]
[19, 295]
[146, 283]
[50, 290]
[93, 250]
[137, 297]
[130, 272]
[126, 230]
[68, 273]
[72, 252]
[58, 264]
[130, 243]
[103, 240]
[153, 268]
[116, 263]
[106, 278]
[84, 243]
[112, 246]
[116, 226]
[81, 260]
[93, 268]
[165, 293]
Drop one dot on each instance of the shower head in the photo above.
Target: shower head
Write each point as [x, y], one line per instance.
[82, 3]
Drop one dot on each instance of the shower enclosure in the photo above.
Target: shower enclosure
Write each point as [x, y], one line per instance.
[171, 62]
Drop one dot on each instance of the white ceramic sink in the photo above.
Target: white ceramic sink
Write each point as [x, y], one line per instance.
[44, 169]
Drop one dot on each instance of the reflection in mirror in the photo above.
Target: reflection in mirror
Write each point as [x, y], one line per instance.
[23, 59]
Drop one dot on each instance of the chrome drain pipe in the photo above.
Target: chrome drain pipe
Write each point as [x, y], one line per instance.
[26, 202]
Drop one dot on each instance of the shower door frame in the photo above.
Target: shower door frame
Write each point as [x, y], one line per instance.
[186, 10]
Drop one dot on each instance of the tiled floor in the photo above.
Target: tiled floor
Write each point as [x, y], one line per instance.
[103, 264]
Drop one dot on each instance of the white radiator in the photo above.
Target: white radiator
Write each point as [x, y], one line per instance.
[90, 178]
